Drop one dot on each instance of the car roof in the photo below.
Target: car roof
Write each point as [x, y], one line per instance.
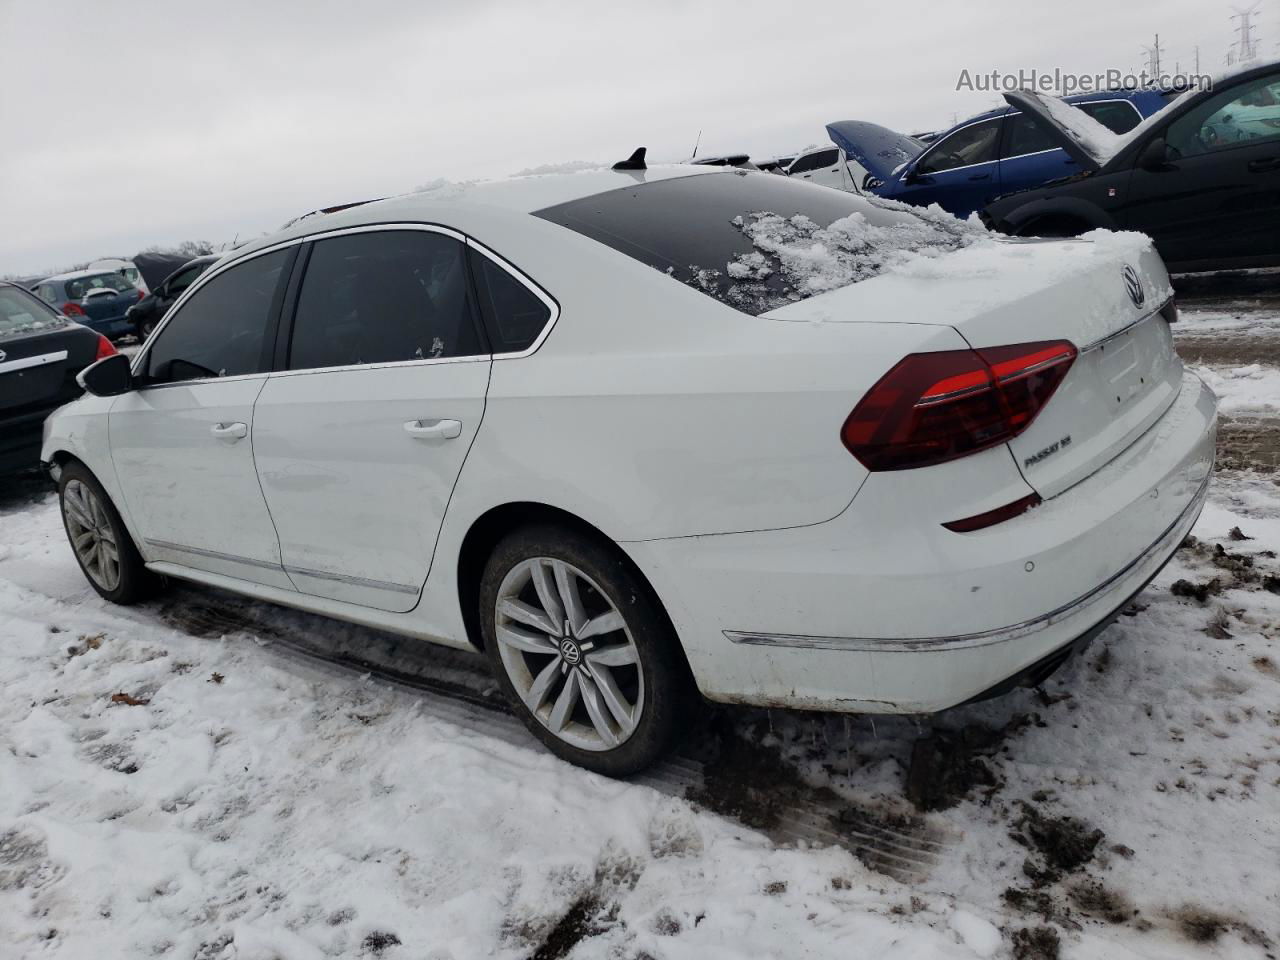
[1075, 98]
[77, 274]
[517, 195]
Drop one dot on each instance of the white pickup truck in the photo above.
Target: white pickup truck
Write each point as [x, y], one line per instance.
[828, 166]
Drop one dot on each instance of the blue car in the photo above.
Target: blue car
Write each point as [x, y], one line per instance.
[97, 299]
[984, 157]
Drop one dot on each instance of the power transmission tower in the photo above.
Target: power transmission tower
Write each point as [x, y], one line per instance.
[1153, 59]
[1246, 47]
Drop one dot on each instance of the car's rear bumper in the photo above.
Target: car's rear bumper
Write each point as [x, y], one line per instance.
[110, 328]
[879, 611]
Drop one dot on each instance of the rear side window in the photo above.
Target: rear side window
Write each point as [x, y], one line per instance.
[1025, 136]
[756, 241]
[384, 297]
[816, 161]
[513, 314]
[221, 330]
[1118, 116]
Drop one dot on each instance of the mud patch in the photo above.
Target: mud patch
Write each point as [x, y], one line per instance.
[948, 766]
[1248, 443]
[1036, 943]
[1205, 926]
[1065, 843]
[1093, 899]
[24, 860]
[578, 923]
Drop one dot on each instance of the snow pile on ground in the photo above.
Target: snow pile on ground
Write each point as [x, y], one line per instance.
[1250, 388]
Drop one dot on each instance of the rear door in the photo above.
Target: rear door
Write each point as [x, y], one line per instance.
[359, 440]
[1218, 196]
[181, 443]
[961, 172]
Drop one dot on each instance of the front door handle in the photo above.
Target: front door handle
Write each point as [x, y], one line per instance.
[433, 429]
[1264, 165]
[230, 431]
[981, 176]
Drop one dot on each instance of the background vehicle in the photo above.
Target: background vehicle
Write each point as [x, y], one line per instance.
[97, 299]
[1209, 202]
[828, 167]
[146, 313]
[40, 355]
[776, 164]
[971, 164]
[630, 434]
[126, 268]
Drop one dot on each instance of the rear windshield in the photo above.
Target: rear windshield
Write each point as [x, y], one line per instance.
[81, 287]
[22, 313]
[757, 241]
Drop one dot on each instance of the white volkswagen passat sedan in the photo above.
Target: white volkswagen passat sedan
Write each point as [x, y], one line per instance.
[644, 434]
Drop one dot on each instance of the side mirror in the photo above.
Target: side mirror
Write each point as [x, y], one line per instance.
[1154, 156]
[109, 377]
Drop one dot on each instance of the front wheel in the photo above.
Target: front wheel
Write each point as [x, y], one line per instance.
[99, 540]
[583, 650]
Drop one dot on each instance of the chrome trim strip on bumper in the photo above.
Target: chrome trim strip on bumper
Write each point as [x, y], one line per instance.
[301, 571]
[1175, 531]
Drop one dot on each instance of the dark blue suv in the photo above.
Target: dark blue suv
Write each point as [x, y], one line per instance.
[984, 157]
[98, 299]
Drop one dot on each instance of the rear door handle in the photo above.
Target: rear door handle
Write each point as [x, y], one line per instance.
[1264, 165]
[433, 429]
[981, 176]
[230, 431]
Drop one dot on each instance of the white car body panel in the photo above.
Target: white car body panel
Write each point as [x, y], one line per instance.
[705, 443]
[333, 452]
[846, 174]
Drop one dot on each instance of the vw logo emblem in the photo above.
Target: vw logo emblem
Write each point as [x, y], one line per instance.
[570, 652]
[3, 354]
[1133, 286]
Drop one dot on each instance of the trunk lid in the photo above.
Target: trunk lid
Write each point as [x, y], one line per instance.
[880, 150]
[37, 370]
[102, 304]
[1102, 293]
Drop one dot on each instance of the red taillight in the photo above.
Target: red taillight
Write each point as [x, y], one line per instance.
[935, 407]
[105, 348]
[998, 515]
[72, 310]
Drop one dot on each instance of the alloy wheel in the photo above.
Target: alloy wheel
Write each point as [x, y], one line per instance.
[569, 653]
[91, 535]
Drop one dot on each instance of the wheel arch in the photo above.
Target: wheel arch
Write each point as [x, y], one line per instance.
[491, 526]
[1059, 211]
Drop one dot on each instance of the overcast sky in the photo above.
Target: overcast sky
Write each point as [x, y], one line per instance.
[131, 124]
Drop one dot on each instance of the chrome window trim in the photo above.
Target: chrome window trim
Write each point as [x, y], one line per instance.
[218, 269]
[535, 289]
[26, 363]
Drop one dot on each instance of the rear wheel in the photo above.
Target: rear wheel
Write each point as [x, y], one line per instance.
[146, 328]
[582, 649]
[99, 540]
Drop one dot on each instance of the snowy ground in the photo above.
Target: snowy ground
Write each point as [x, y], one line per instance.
[176, 780]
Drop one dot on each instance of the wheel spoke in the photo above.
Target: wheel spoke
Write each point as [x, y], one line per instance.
[525, 640]
[530, 616]
[565, 703]
[541, 685]
[612, 696]
[621, 655]
[95, 508]
[595, 709]
[567, 587]
[547, 593]
[605, 623]
[82, 540]
[77, 512]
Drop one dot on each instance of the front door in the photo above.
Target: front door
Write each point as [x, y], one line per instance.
[181, 443]
[1218, 196]
[960, 173]
[359, 442]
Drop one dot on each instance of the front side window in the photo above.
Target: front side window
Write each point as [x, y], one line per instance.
[964, 148]
[221, 331]
[514, 315]
[184, 279]
[384, 297]
[1238, 116]
[21, 313]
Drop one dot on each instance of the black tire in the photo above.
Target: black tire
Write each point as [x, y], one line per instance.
[669, 692]
[144, 329]
[135, 581]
